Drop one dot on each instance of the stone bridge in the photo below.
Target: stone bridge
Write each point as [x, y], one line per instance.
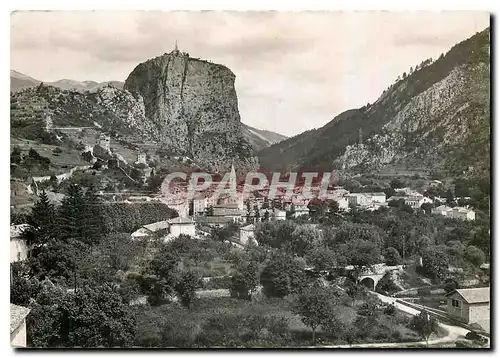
[371, 276]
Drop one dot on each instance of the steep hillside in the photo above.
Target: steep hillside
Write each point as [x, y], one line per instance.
[259, 138]
[437, 117]
[19, 81]
[109, 108]
[192, 105]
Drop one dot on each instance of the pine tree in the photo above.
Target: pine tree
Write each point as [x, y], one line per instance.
[92, 221]
[41, 223]
[72, 214]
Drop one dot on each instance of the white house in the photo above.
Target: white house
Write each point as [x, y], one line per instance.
[18, 316]
[141, 158]
[464, 213]
[147, 230]
[343, 203]
[18, 245]
[378, 197]
[300, 209]
[201, 204]
[455, 213]
[182, 225]
[357, 199]
[470, 305]
[247, 234]
[231, 210]
[279, 214]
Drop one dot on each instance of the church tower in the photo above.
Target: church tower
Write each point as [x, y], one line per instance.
[232, 178]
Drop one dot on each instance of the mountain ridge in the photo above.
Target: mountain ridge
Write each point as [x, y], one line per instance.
[415, 122]
[259, 138]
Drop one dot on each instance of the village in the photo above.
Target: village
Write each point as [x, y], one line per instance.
[242, 217]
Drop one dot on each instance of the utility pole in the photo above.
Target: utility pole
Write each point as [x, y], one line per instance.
[404, 262]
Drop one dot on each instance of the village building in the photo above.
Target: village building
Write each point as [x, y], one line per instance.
[18, 316]
[463, 213]
[411, 198]
[214, 221]
[18, 245]
[357, 199]
[228, 210]
[279, 214]
[247, 235]
[141, 158]
[104, 142]
[182, 226]
[343, 203]
[148, 230]
[470, 305]
[200, 205]
[458, 212]
[378, 197]
[300, 209]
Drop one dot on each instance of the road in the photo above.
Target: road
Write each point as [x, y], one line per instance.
[454, 333]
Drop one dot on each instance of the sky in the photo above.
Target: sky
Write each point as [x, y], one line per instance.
[295, 71]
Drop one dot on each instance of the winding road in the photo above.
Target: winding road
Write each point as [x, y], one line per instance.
[454, 333]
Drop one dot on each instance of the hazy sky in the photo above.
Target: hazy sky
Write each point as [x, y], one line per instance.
[294, 71]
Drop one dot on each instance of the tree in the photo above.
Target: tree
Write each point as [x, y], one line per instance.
[424, 324]
[481, 239]
[475, 255]
[282, 276]
[392, 257]
[362, 254]
[266, 216]
[322, 258]
[317, 209]
[396, 183]
[427, 207]
[245, 281]
[186, 288]
[15, 155]
[88, 317]
[316, 306]
[450, 198]
[87, 156]
[348, 232]
[41, 223]
[303, 239]
[22, 287]
[71, 219]
[119, 251]
[256, 213]
[386, 285]
[451, 285]
[248, 212]
[92, 225]
[435, 263]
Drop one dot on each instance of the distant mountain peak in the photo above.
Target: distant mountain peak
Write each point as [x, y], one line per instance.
[19, 81]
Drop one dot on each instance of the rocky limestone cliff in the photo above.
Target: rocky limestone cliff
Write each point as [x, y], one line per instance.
[434, 126]
[437, 117]
[193, 108]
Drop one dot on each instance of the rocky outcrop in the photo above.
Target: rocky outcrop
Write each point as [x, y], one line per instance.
[128, 108]
[193, 108]
[437, 117]
[432, 128]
